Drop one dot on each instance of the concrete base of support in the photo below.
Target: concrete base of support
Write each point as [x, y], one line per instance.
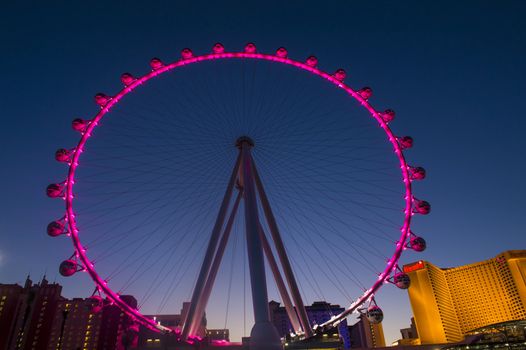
[264, 336]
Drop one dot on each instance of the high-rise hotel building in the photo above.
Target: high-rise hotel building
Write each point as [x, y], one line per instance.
[449, 302]
[37, 317]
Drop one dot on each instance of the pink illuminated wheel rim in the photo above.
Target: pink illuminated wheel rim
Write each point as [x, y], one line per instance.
[80, 261]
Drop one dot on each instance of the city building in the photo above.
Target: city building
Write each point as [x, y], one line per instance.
[82, 324]
[448, 303]
[409, 335]
[149, 339]
[411, 332]
[117, 330]
[27, 313]
[36, 317]
[75, 325]
[318, 312]
[10, 295]
[364, 334]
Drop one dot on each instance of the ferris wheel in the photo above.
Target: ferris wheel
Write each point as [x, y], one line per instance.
[200, 153]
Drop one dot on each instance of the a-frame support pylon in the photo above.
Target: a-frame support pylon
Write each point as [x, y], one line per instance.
[263, 334]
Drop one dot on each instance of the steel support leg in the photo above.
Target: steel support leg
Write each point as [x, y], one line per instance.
[293, 317]
[285, 263]
[207, 290]
[210, 251]
[264, 335]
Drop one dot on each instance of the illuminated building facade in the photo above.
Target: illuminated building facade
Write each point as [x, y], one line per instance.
[78, 326]
[27, 314]
[365, 334]
[37, 317]
[75, 326]
[449, 303]
[9, 299]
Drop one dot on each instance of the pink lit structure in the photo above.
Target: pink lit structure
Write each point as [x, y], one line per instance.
[246, 180]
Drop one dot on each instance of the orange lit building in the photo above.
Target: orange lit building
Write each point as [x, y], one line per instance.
[448, 303]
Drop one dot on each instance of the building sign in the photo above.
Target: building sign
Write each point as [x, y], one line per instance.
[414, 266]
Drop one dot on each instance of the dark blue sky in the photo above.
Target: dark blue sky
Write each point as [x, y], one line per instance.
[453, 71]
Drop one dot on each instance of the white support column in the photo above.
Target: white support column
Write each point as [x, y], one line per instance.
[293, 317]
[264, 335]
[285, 263]
[207, 290]
[210, 251]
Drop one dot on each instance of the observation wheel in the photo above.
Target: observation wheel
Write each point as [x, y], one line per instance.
[196, 156]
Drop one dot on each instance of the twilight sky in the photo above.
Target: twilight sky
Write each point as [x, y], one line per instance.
[453, 71]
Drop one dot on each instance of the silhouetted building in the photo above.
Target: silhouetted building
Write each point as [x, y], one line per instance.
[318, 312]
[365, 334]
[409, 335]
[116, 328]
[150, 339]
[411, 332]
[448, 303]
